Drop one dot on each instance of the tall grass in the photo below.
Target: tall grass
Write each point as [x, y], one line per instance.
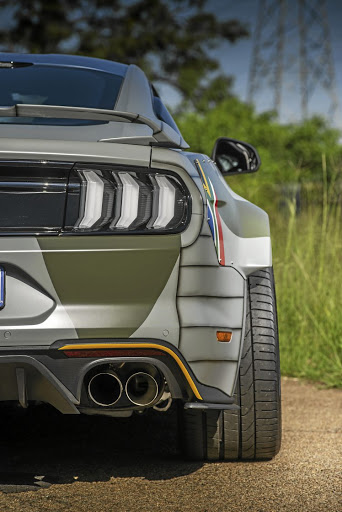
[308, 262]
[307, 258]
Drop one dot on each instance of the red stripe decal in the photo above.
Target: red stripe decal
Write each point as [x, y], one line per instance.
[222, 259]
[129, 352]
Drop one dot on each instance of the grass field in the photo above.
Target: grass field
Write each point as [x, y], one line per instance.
[307, 259]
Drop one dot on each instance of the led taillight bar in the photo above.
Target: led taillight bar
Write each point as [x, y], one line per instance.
[129, 201]
[166, 202]
[92, 188]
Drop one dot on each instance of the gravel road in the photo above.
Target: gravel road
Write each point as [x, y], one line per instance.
[59, 463]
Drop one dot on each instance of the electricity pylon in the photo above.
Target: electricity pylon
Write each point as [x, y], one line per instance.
[284, 24]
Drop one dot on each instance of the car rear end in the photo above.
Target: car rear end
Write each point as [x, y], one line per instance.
[90, 246]
[131, 275]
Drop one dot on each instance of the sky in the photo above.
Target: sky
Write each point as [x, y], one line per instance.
[236, 59]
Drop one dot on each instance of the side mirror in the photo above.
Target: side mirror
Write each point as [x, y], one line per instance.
[235, 157]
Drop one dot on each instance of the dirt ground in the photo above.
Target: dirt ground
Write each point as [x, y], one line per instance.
[51, 462]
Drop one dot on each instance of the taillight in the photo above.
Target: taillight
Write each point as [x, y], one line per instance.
[120, 201]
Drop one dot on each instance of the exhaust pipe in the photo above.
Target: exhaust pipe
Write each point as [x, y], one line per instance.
[105, 389]
[142, 388]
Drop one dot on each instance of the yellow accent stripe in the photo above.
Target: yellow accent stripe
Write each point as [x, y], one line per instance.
[205, 186]
[138, 345]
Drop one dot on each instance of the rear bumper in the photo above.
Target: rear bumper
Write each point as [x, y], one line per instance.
[56, 374]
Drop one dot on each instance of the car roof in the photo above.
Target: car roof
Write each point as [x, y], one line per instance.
[109, 66]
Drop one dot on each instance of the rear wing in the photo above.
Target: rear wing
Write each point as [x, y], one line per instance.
[163, 134]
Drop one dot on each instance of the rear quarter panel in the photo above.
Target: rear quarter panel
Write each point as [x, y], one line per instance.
[213, 271]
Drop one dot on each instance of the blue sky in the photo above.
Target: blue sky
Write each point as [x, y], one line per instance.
[235, 58]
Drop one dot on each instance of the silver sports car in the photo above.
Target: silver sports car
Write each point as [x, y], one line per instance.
[131, 275]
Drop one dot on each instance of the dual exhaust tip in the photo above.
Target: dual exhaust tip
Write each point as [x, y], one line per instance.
[105, 388]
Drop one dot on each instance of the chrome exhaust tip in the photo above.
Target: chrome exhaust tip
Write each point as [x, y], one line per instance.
[105, 389]
[141, 388]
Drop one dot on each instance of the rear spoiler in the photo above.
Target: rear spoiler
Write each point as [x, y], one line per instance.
[163, 134]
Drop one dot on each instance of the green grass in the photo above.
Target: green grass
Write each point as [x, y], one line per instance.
[307, 263]
[307, 259]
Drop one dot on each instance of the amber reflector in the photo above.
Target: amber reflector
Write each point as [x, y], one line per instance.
[225, 336]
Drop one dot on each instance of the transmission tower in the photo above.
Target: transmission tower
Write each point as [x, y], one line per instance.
[301, 25]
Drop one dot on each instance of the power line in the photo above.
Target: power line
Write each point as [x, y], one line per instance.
[279, 23]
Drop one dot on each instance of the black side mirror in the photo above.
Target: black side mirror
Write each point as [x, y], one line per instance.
[235, 157]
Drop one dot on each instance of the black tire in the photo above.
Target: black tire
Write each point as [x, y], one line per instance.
[254, 431]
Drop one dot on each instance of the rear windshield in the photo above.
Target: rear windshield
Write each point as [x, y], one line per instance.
[57, 85]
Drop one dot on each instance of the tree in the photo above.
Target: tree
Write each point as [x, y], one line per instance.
[289, 152]
[170, 40]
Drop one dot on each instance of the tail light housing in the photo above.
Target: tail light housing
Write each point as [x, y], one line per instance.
[125, 201]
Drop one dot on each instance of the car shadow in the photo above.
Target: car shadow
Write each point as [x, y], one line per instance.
[40, 447]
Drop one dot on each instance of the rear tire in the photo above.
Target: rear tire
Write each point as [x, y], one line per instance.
[254, 431]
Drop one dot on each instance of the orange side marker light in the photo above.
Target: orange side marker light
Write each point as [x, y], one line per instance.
[224, 336]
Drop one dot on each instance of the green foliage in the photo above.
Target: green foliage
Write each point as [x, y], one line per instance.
[171, 41]
[291, 152]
